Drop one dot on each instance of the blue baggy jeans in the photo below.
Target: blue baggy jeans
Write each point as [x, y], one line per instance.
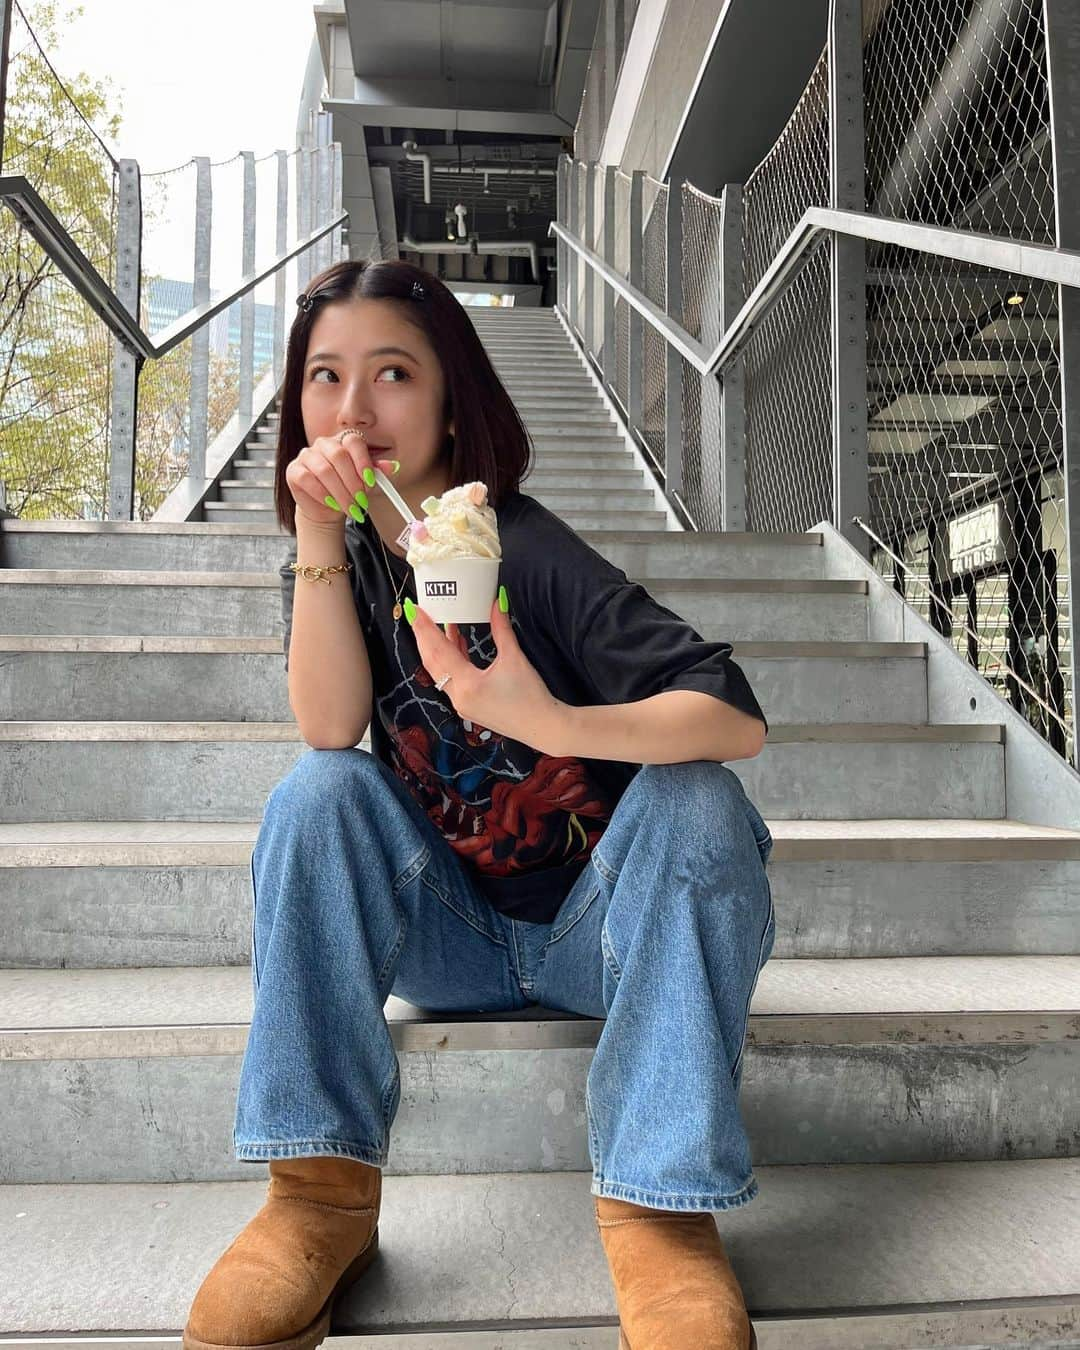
[357, 896]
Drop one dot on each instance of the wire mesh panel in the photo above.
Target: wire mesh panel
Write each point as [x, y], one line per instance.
[622, 309]
[583, 279]
[956, 115]
[701, 226]
[598, 285]
[55, 379]
[964, 380]
[788, 362]
[654, 347]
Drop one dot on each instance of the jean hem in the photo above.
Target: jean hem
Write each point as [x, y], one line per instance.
[271, 1150]
[634, 1195]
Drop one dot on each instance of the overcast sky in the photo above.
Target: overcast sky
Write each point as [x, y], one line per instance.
[197, 77]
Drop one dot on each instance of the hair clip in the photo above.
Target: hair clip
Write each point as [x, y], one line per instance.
[305, 302]
[418, 291]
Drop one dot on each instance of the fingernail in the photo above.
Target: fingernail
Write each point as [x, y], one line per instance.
[333, 504]
[357, 514]
[361, 500]
[396, 463]
[369, 477]
[410, 610]
[504, 600]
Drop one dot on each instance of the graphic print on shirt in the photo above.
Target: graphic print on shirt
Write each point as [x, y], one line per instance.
[504, 808]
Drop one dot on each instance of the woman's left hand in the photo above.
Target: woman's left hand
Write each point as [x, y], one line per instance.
[508, 697]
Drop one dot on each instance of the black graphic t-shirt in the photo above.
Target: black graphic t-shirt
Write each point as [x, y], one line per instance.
[523, 823]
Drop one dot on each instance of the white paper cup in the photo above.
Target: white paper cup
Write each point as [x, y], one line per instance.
[458, 590]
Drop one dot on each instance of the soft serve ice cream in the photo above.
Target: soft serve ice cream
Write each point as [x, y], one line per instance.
[455, 554]
[459, 524]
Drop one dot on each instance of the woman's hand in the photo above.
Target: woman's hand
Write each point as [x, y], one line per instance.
[508, 698]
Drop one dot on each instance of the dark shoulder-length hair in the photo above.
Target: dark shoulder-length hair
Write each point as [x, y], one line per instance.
[490, 443]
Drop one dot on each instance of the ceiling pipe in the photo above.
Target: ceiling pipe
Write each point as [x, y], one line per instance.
[411, 152]
[991, 28]
[525, 249]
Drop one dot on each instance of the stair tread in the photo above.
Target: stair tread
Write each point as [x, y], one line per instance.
[151, 643]
[495, 1249]
[203, 730]
[50, 833]
[185, 996]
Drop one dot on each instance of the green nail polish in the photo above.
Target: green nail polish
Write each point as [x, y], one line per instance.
[410, 610]
[369, 477]
[357, 514]
[333, 504]
[504, 600]
[397, 464]
[361, 500]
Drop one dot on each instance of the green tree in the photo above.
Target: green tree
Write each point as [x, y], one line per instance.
[55, 353]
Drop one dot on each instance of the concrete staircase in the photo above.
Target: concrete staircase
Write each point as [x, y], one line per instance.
[910, 1086]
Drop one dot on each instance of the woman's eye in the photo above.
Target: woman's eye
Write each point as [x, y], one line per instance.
[325, 370]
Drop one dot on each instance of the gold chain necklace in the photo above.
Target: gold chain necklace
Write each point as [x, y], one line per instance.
[386, 563]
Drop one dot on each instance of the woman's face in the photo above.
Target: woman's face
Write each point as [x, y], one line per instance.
[395, 397]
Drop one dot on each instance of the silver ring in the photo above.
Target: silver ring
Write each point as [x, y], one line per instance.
[349, 431]
[445, 679]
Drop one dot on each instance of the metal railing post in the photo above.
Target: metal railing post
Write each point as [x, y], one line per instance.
[851, 470]
[324, 189]
[575, 261]
[303, 217]
[5, 46]
[731, 392]
[247, 302]
[562, 253]
[126, 364]
[635, 373]
[589, 235]
[673, 362]
[200, 340]
[1062, 20]
[608, 246]
[338, 250]
[282, 231]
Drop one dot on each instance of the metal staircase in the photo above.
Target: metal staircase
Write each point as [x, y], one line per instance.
[910, 1090]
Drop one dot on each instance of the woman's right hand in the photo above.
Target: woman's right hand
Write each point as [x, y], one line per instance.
[329, 467]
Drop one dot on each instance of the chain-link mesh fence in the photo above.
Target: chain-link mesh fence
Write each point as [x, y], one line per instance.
[55, 380]
[702, 223]
[788, 362]
[654, 200]
[622, 309]
[614, 22]
[965, 433]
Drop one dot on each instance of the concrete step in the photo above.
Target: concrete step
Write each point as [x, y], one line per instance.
[240, 513]
[259, 489]
[105, 894]
[981, 1037]
[259, 468]
[196, 546]
[248, 604]
[957, 1254]
[226, 770]
[242, 679]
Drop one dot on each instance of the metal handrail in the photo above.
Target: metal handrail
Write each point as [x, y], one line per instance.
[1002, 665]
[1038, 262]
[26, 203]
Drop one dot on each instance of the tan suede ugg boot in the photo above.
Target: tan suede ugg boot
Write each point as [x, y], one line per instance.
[674, 1285]
[275, 1284]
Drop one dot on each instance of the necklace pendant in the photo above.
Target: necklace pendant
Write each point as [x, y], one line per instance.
[397, 611]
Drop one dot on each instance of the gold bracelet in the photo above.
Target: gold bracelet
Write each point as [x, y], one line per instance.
[312, 573]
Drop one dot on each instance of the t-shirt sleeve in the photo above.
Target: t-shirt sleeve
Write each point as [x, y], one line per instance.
[288, 588]
[632, 647]
[624, 644]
